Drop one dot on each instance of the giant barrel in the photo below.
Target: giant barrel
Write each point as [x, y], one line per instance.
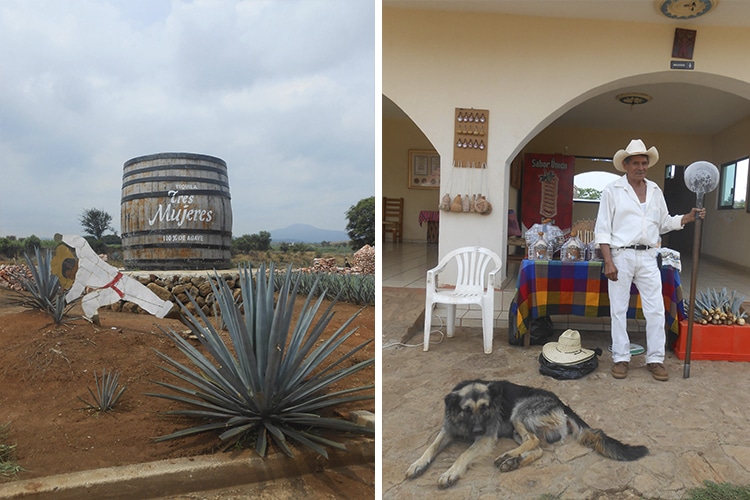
[176, 212]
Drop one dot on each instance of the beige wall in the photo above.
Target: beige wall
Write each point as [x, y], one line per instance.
[399, 136]
[726, 234]
[528, 72]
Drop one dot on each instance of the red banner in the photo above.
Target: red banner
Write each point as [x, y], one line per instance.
[547, 189]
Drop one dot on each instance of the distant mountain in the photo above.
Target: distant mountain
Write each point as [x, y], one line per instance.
[305, 233]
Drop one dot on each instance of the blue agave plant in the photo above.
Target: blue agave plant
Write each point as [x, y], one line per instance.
[273, 377]
[43, 289]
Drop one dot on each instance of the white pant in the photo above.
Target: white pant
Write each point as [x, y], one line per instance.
[639, 267]
[129, 289]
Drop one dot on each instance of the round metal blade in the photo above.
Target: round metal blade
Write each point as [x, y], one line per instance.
[701, 177]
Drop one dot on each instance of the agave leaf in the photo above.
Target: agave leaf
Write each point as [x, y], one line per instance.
[211, 340]
[243, 358]
[261, 443]
[210, 390]
[319, 439]
[198, 414]
[303, 438]
[282, 443]
[274, 430]
[332, 399]
[308, 357]
[189, 431]
[224, 374]
[263, 318]
[277, 339]
[346, 356]
[236, 432]
[218, 390]
[243, 420]
[330, 423]
[313, 386]
[205, 400]
[246, 344]
[298, 356]
[304, 321]
[320, 354]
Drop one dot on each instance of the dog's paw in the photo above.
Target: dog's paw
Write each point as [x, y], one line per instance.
[507, 463]
[416, 469]
[448, 479]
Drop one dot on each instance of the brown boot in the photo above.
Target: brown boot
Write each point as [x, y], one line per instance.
[658, 371]
[620, 369]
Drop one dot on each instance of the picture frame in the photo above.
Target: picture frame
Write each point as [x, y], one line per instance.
[684, 43]
[424, 169]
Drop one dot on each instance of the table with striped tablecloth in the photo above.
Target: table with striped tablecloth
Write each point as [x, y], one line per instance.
[546, 288]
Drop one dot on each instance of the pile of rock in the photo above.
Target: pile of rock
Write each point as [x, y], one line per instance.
[364, 263]
[324, 265]
[364, 260]
[177, 287]
[10, 274]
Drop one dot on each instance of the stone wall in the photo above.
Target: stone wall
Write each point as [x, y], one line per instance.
[178, 286]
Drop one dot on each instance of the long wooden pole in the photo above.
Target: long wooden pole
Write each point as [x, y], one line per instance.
[693, 285]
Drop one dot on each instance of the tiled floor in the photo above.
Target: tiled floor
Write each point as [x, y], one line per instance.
[405, 265]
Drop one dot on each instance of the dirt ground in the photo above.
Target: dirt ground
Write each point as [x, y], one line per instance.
[696, 428]
[44, 368]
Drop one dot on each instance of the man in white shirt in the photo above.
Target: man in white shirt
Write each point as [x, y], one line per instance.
[632, 216]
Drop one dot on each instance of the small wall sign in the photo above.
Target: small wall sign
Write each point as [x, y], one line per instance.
[682, 65]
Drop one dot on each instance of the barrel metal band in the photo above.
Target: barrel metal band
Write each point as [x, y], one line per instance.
[184, 166]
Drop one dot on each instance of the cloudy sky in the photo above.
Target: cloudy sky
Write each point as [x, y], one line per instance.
[281, 90]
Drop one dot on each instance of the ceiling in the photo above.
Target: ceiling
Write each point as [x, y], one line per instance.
[726, 12]
[677, 108]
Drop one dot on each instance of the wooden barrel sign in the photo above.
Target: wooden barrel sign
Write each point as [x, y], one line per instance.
[176, 212]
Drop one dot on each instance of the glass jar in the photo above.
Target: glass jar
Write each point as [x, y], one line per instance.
[573, 250]
[593, 252]
[541, 249]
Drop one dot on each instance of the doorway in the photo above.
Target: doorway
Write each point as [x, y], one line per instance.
[680, 200]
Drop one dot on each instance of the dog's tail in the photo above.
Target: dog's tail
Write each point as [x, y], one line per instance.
[598, 441]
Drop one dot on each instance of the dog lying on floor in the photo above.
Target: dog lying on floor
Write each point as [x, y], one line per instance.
[482, 412]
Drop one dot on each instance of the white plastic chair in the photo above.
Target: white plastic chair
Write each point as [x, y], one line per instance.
[475, 284]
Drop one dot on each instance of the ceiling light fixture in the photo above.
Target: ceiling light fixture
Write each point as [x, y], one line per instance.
[685, 9]
[633, 98]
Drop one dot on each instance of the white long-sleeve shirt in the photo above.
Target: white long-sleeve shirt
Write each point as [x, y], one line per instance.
[622, 221]
[92, 271]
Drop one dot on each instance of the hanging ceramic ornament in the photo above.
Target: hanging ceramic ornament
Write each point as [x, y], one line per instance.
[483, 206]
[445, 203]
[457, 205]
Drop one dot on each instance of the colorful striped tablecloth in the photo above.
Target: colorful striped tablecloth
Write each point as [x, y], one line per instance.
[428, 216]
[546, 288]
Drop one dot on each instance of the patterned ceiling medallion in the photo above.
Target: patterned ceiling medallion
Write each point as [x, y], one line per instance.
[633, 98]
[685, 9]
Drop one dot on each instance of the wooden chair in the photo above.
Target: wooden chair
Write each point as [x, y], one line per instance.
[393, 218]
[475, 284]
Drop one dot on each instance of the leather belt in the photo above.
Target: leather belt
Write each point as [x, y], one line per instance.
[638, 247]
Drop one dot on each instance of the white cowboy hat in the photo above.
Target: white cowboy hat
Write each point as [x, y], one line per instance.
[567, 351]
[636, 147]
